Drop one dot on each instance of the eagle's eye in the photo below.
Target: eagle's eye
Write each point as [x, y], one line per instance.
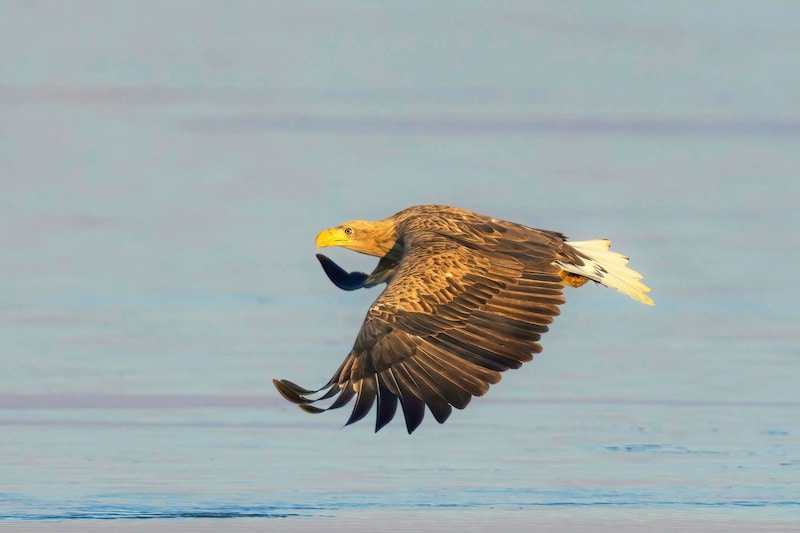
[348, 231]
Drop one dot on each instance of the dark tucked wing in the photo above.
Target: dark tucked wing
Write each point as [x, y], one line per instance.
[348, 281]
[455, 315]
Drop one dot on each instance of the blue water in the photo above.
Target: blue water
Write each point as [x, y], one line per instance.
[167, 166]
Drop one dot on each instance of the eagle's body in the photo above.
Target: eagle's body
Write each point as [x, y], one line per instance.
[467, 297]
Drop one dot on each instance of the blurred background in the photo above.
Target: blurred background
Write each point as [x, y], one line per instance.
[167, 165]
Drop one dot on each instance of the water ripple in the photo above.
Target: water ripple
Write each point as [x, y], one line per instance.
[135, 512]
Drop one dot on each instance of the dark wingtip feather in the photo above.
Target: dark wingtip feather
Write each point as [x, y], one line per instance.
[290, 391]
[364, 400]
[441, 411]
[344, 397]
[296, 387]
[387, 406]
[310, 408]
[413, 411]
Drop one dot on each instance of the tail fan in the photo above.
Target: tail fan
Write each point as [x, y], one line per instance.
[608, 268]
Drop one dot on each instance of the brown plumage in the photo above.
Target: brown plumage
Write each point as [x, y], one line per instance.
[467, 297]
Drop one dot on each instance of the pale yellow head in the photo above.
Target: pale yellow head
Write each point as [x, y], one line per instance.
[371, 238]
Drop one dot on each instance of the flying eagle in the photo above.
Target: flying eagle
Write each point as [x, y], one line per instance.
[467, 297]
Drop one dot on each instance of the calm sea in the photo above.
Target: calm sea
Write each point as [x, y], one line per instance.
[166, 167]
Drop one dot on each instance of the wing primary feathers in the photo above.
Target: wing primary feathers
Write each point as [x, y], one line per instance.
[367, 391]
[344, 397]
[431, 389]
[296, 394]
[387, 404]
[450, 391]
[474, 354]
[469, 376]
[311, 408]
[413, 407]
[413, 411]
[292, 392]
[424, 390]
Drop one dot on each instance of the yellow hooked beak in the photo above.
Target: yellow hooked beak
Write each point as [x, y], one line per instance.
[332, 237]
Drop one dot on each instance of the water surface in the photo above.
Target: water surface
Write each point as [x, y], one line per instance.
[166, 168]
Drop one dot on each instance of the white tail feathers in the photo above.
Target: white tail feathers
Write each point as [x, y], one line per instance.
[607, 267]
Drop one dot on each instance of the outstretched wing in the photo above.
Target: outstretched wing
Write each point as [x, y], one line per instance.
[459, 310]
